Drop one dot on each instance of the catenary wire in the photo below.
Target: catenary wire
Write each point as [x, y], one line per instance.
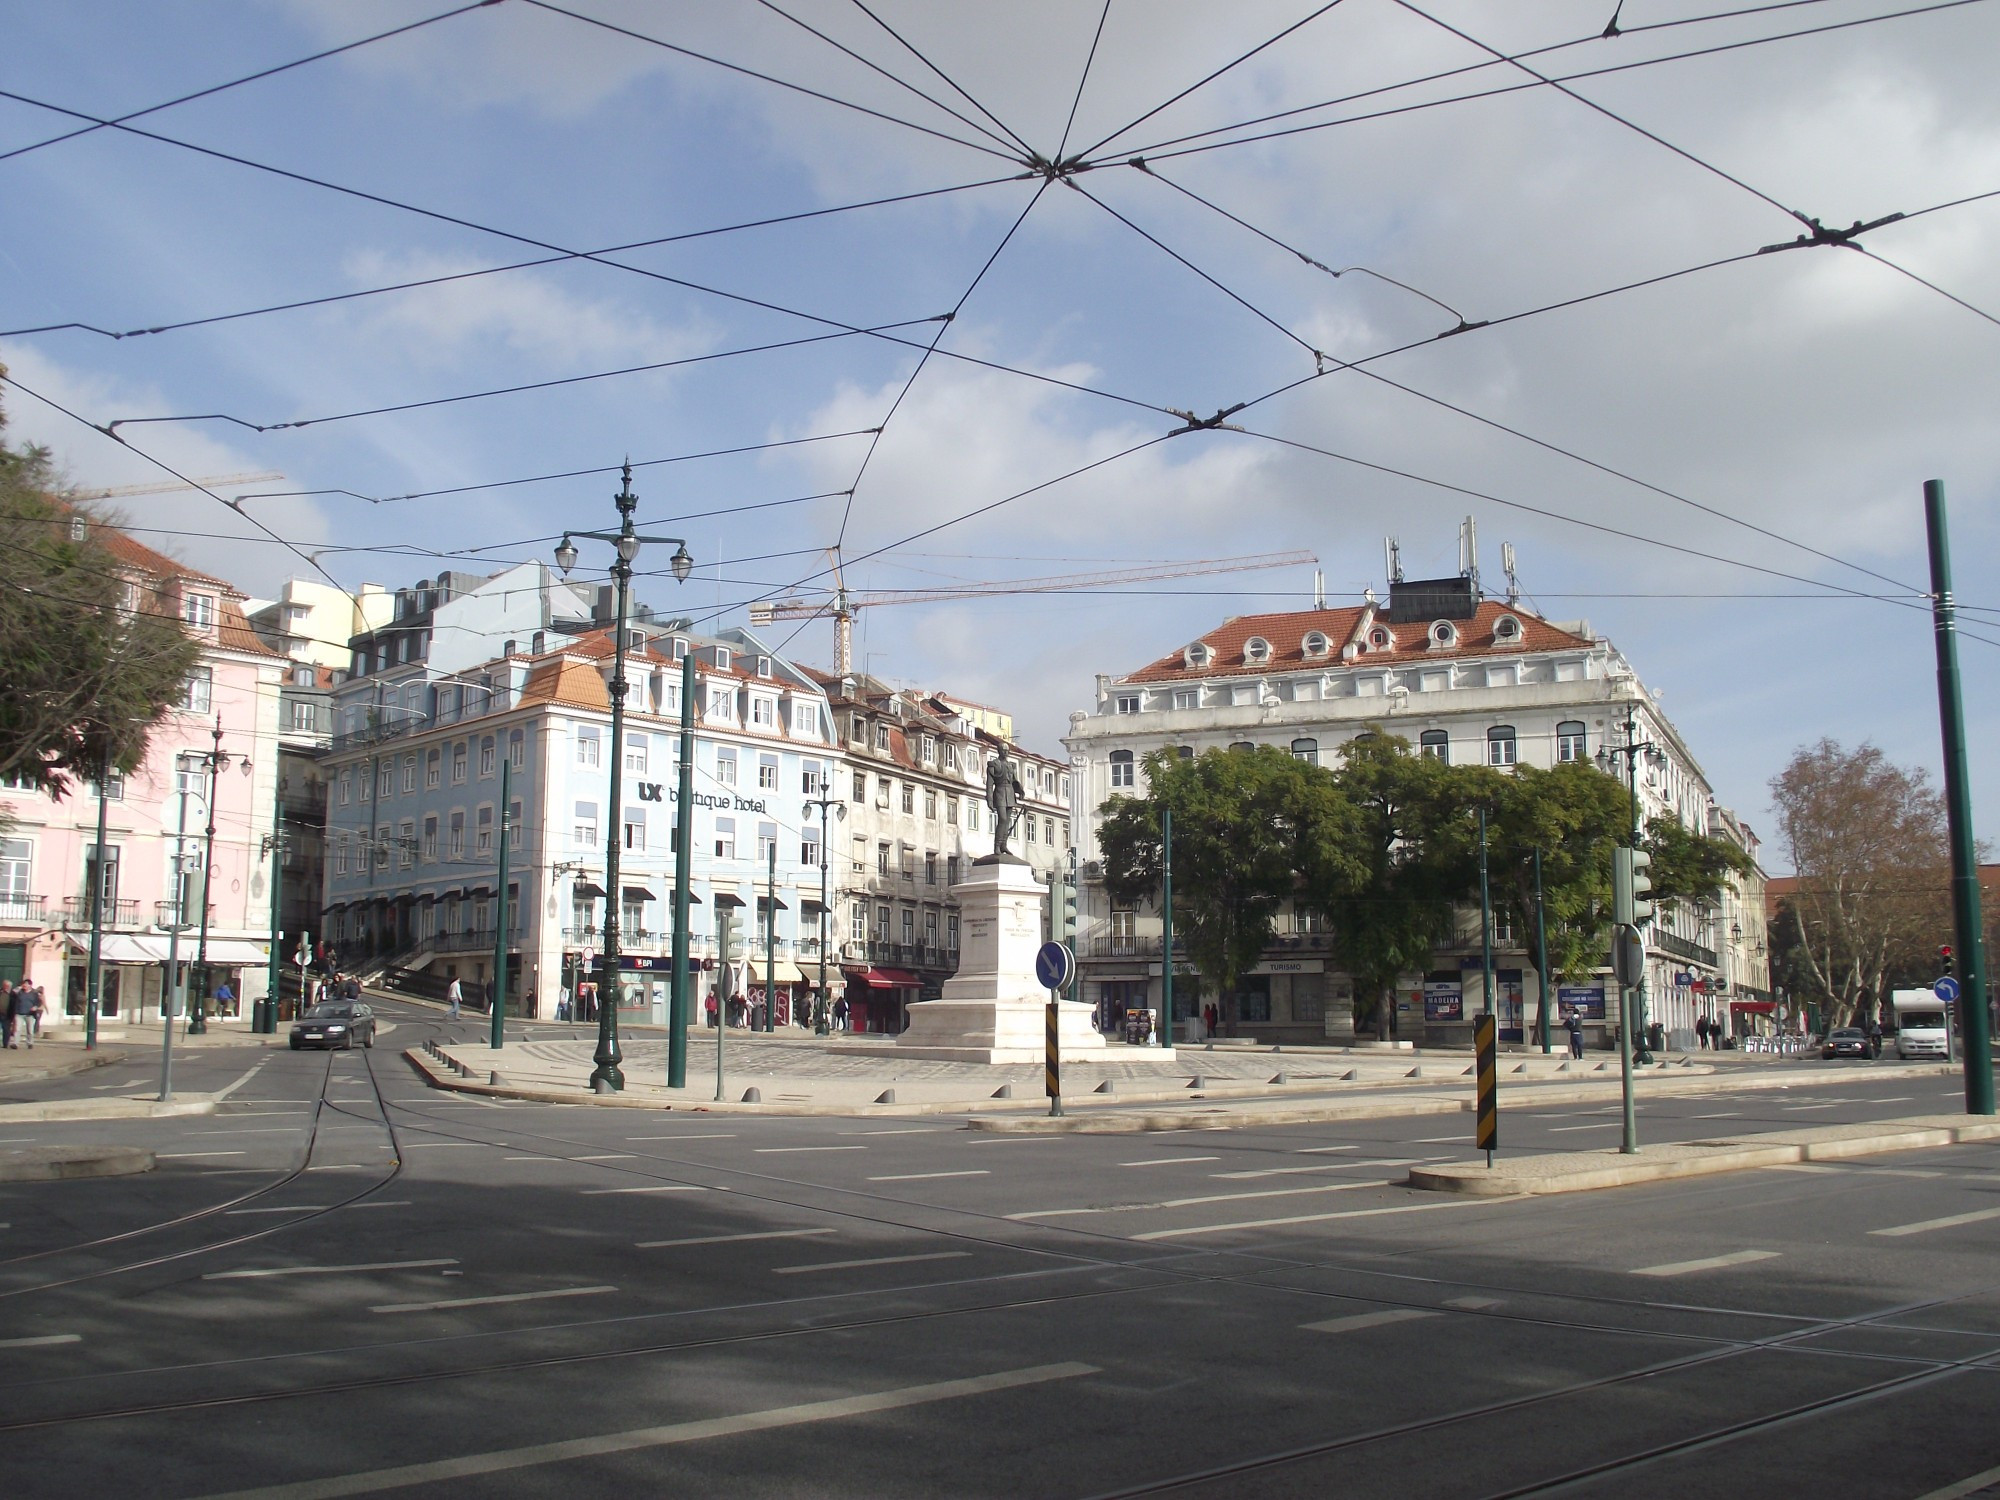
[948, 81]
[1978, 312]
[1083, 78]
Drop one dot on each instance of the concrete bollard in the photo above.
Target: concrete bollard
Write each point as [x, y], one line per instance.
[1005, 1091]
[753, 1095]
[1352, 1075]
[1416, 1072]
[1106, 1087]
[1279, 1078]
[493, 1079]
[887, 1096]
[1197, 1082]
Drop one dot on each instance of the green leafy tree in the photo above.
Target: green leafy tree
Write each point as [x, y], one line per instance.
[1575, 815]
[1690, 866]
[1244, 824]
[89, 657]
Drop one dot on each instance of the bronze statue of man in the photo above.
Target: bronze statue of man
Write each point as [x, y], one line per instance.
[1003, 796]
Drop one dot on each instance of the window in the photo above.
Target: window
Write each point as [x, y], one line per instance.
[409, 774]
[432, 762]
[1185, 752]
[767, 772]
[198, 610]
[406, 845]
[951, 932]
[881, 924]
[930, 804]
[1121, 768]
[909, 927]
[930, 867]
[1048, 831]
[722, 657]
[430, 838]
[1187, 697]
[635, 754]
[382, 847]
[1315, 644]
[725, 765]
[584, 828]
[930, 930]
[1028, 830]
[458, 753]
[456, 844]
[909, 798]
[385, 778]
[1500, 745]
[346, 784]
[195, 690]
[725, 838]
[767, 843]
[805, 719]
[483, 842]
[1503, 927]
[860, 786]
[972, 806]
[302, 717]
[951, 811]
[1306, 750]
[517, 749]
[1256, 649]
[857, 728]
[950, 870]
[857, 927]
[929, 750]
[17, 860]
[635, 828]
[632, 913]
[1436, 744]
[1128, 703]
[881, 736]
[1569, 740]
[340, 855]
[809, 850]
[721, 703]
[486, 756]
[810, 773]
[882, 791]
[587, 747]
[950, 756]
[881, 859]
[1124, 929]
[762, 710]
[763, 666]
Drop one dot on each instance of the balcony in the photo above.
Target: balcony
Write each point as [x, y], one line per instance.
[1680, 947]
[477, 940]
[76, 913]
[165, 914]
[22, 909]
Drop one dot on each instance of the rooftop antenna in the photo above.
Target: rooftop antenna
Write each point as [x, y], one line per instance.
[1507, 565]
[1468, 552]
[1319, 589]
[1392, 556]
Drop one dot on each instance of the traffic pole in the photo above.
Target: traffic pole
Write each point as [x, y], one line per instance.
[771, 944]
[1958, 802]
[1486, 1048]
[1166, 927]
[1541, 956]
[682, 1004]
[1052, 1057]
[499, 1006]
[724, 932]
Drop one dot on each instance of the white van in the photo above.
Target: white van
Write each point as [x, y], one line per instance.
[1923, 1024]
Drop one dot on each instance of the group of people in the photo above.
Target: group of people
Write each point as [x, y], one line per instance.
[750, 1012]
[333, 985]
[21, 1009]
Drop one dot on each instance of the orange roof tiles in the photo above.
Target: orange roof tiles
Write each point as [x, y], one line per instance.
[565, 683]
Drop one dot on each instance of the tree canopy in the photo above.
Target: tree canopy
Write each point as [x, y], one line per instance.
[89, 657]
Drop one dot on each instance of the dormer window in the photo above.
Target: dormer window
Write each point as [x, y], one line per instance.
[1128, 703]
[1315, 644]
[763, 666]
[1443, 634]
[1507, 629]
[198, 610]
[1199, 655]
[1380, 639]
[722, 657]
[1256, 649]
[680, 648]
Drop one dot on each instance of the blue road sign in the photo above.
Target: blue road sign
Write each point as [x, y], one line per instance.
[1946, 989]
[1054, 965]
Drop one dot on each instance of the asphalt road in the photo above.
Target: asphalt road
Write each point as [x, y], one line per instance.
[345, 1283]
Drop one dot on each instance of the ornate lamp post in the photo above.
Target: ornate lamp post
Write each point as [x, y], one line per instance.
[214, 760]
[606, 1078]
[827, 804]
[1606, 757]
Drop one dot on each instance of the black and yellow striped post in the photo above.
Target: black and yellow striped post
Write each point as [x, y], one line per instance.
[1485, 1043]
[1052, 1063]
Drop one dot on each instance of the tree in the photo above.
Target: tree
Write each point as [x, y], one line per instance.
[1245, 822]
[89, 656]
[1868, 841]
[1574, 814]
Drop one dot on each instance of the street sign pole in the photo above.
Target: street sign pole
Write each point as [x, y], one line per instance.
[1055, 966]
[498, 1018]
[724, 933]
[1486, 1049]
[1167, 927]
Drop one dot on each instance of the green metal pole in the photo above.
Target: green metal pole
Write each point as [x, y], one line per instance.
[607, 1077]
[771, 946]
[1636, 1043]
[198, 1011]
[1629, 996]
[823, 1012]
[682, 1003]
[725, 934]
[169, 1009]
[1485, 923]
[265, 1018]
[1166, 926]
[93, 987]
[1958, 800]
[499, 1006]
[1541, 957]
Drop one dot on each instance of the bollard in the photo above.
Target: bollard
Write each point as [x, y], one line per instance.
[1106, 1087]
[753, 1095]
[887, 1096]
[1005, 1091]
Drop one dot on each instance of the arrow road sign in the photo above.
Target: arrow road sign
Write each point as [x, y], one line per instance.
[1946, 989]
[1054, 965]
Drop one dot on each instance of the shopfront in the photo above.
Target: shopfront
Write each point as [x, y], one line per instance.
[878, 999]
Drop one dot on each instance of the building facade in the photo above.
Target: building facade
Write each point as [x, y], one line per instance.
[1460, 677]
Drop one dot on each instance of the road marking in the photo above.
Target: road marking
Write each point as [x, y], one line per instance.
[533, 1158]
[349, 1166]
[731, 1239]
[927, 1176]
[1439, 1140]
[18, 1140]
[793, 1150]
[1897, 1099]
[879, 1260]
[1797, 1108]
[296, 1208]
[702, 1137]
[906, 1130]
[1964, 1487]
[442, 1145]
[568, 1450]
[376, 1265]
[1167, 1161]
[1601, 1125]
[1707, 1263]
[1352, 1213]
[1727, 1114]
[42, 1342]
[1474, 1304]
[1924, 1226]
[1127, 1208]
[1329, 1150]
[178, 1155]
[1026, 1140]
[1332, 1166]
[256, 1130]
[608, 1156]
[568, 1291]
[668, 1187]
[1359, 1321]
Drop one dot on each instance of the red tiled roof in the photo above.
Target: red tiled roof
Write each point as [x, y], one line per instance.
[1286, 635]
[566, 683]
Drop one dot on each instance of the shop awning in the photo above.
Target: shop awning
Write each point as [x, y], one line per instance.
[885, 979]
[728, 899]
[588, 890]
[639, 893]
[811, 904]
[1754, 1007]
[232, 952]
[764, 903]
[124, 948]
[787, 972]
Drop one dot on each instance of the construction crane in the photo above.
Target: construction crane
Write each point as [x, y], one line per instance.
[118, 492]
[843, 606]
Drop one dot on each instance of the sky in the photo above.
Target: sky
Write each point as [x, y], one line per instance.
[927, 285]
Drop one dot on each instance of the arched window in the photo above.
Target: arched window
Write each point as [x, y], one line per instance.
[1380, 639]
[1436, 744]
[1506, 628]
[1121, 768]
[1256, 649]
[1500, 745]
[1185, 752]
[1243, 745]
[1306, 750]
[1315, 644]
[1569, 740]
[1444, 633]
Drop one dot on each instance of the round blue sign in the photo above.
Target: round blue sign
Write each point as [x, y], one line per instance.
[1946, 989]
[1055, 965]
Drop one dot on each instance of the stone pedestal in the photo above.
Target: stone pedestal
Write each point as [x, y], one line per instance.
[993, 1010]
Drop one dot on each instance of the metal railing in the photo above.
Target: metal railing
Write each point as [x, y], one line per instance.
[76, 912]
[1680, 947]
[22, 908]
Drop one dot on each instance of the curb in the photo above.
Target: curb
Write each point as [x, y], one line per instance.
[56, 1163]
[67, 1067]
[1582, 1173]
[106, 1109]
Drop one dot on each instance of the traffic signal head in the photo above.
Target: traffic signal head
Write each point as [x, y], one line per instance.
[1642, 887]
[1944, 957]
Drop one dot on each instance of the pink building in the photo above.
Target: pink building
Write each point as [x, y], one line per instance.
[49, 854]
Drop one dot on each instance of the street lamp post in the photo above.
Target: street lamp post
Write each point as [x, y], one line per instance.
[607, 1078]
[1638, 1050]
[827, 804]
[169, 1010]
[214, 761]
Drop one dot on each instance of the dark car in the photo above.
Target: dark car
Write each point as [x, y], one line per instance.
[1847, 1041]
[334, 1023]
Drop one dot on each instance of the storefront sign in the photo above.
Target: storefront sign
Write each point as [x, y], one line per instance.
[1587, 1000]
[1444, 1000]
[1290, 966]
[652, 791]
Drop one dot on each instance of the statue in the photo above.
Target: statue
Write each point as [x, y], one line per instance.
[1003, 796]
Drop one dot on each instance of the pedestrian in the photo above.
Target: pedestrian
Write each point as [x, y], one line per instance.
[41, 1009]
[1701, 1032]
[1874, 1036]
[454, 996]
[225, 999]
[21, 1005]
[350, 988]
[1573, 1022]
[840, 1014]
[6, 1012]
[1209, 1017]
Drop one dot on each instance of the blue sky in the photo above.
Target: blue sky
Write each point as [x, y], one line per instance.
[1808, 393]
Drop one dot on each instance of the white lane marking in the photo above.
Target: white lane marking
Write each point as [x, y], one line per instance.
[690, 1137]
[567, 1291]
[262, 1130]
[380, 1203]
[349, 1166]
[296, 1208]
[532, 1158]
[1601, 1125]
[1964, 1487]
[1127, 1208]
[1727, 1114]
[1924, 1226]
[904, 1130]
[1332, 1166]
[879, 1260]
[1023, 1140]
[607, 1156]
[42, 1341]
[568, 1450]
[1796, 1108]
[375, 1265]
[927, 1176]
[1329, 1150]
[179, 1155]
[1439, 1140]
[1166, 1161]
[256, 1068]
[1358, 1321]
[1706, 1263]
[442, 1145]
[669, 1187]
[1897, 1099]
[794, 1150]
[730, 1239]
[1351, 1213]
[18, 1140]
[1474, 1304]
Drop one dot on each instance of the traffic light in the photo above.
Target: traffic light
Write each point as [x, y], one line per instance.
[1631, 886]
[1642, 888]
[1944, 958]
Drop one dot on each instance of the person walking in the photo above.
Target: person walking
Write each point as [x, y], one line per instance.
[1573, 1023]
[1701, 1032]
[454, 996]
[1874, 1036]
[840, 1014]
[41, 1007]
[22, 1006]
[6, 1012]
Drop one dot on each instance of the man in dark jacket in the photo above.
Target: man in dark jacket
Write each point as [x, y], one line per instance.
[1574, 1024]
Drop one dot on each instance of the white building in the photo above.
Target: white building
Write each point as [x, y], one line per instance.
[1461, 677]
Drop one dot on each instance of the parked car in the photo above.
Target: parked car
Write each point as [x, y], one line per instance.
[334, 1023]
[1845, 1041]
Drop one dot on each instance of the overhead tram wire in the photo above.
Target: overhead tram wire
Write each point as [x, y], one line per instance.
[1160, 151]
[1084, 77]
[261, 73]
[945, 78]
[520, 265]
[748, 72]
[1931, 285]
